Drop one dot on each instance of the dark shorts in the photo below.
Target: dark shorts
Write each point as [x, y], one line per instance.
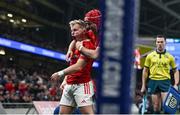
[157, 86]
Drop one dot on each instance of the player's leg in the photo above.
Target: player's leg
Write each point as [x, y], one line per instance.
[86, 109]
[156, 101]
[66, 109]
[67, 102]
[84, 97]
[163, 94]
[164, 87]
[155, 96]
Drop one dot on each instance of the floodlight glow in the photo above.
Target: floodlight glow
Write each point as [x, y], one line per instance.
[10, 15]
[24, 20]
[11, 20]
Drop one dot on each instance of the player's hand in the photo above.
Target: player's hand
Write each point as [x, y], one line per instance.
[143, 89]
[78, 44]
[63, 84]
[69, 55]
[55, 77]
[176, 87]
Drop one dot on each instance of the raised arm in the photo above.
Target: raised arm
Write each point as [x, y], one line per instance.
[70, 48]
[94, 54]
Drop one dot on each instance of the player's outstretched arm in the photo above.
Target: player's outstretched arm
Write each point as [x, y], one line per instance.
[69, 70]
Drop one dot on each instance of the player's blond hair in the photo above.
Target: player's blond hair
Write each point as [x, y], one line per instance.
[79, 22]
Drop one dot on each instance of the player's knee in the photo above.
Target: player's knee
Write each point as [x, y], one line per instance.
[87, 110]
[156, 106]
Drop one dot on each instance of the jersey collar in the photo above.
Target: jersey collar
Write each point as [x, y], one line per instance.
[160, 52]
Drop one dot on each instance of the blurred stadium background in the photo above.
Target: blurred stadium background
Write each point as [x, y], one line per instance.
[24, 76]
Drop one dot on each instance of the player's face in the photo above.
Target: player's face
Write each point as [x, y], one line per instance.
[77, 31]
[160, 43]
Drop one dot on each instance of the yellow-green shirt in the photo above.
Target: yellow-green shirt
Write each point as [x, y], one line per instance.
[159, 65]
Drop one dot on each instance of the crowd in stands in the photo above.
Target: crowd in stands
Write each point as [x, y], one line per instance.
[26, 85]
[32, 38]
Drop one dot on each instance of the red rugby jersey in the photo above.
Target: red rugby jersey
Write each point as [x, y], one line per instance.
[84, 75]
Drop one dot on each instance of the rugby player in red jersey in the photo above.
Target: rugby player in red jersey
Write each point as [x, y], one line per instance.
[78, 91]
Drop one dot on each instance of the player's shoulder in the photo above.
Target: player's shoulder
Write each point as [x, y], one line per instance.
[87, 41]
[169, 55]
[88, 44]
[152, 53]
